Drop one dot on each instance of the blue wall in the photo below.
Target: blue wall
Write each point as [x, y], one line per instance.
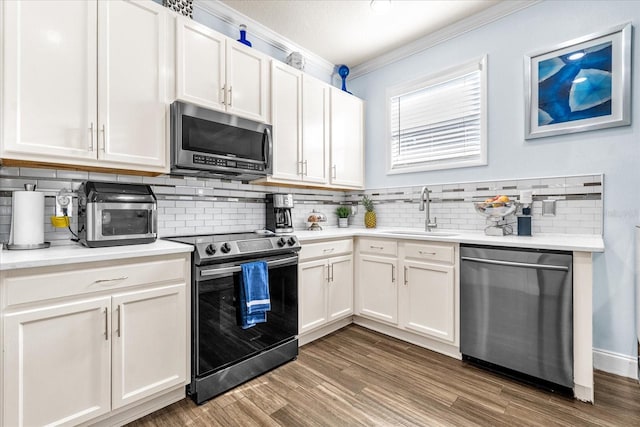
[614, 152]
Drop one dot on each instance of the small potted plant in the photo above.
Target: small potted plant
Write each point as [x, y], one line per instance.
[369, 215]
[343, 213]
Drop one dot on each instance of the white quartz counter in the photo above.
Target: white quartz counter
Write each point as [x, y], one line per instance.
[76, 253]
[564, 242]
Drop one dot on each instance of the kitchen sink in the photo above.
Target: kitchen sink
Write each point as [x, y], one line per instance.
[422, 233]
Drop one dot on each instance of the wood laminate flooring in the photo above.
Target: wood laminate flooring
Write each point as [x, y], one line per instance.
[357, 377]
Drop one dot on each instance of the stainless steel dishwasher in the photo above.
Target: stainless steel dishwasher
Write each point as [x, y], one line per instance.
[516, 310]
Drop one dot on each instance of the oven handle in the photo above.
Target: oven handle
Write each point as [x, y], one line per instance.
[236, 268]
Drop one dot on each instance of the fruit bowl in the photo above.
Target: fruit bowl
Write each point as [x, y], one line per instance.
[494, 209]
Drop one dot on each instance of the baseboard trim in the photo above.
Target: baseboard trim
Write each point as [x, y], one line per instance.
[615, 363]
[325, 330]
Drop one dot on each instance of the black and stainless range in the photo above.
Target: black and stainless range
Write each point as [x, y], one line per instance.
[224, 354]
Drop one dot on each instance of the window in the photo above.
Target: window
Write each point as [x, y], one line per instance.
[439, 122]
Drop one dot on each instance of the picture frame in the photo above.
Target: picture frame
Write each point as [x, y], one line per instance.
[579, 85]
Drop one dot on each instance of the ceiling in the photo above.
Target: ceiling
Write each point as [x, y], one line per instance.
[349, 31]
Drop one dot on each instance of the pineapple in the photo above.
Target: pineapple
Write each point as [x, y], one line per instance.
[370, 215]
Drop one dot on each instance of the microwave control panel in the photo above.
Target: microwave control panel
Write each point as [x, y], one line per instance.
[199, 159]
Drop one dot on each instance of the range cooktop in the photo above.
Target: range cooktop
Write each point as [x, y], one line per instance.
[222, 247]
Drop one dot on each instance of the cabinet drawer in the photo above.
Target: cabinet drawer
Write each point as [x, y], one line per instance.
[381, 247]
[430, 252]
[44, 283]
[325, 249]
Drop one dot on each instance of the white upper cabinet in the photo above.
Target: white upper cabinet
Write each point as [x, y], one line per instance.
[220, 73]
[84, 84]
[315, 130]
[50, 80]
[132, 110]
[347, 140]
[286, 112]
[200, 72]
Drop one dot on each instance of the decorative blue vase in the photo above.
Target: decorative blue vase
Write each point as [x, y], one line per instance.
[343, 71]
[243, 35]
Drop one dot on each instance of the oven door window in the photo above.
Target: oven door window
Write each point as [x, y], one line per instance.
[204, 136]
[221, 340]
[125, 222]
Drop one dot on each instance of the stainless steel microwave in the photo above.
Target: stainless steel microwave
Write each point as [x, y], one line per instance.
[115, 214]
[210, 143]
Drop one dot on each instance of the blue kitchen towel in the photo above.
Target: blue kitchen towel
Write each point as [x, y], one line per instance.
[254, 293]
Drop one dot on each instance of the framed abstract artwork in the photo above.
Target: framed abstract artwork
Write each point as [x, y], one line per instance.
[580, 85]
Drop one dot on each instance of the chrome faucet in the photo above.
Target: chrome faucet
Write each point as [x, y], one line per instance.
[424, 206]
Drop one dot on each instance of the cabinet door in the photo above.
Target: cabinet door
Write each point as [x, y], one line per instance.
[340, 298]
[347, 143]
[312, 294]
[200, 72]
[246, 71]
[315, 130]
[149, 342]
[132, 107]
[286, 85]
[57, 364]
[428, 305]
[377, 288]
[49, 82]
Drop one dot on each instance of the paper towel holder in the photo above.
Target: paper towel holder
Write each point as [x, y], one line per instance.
[12, 246]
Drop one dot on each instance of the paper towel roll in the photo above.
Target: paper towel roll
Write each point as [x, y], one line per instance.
[27, 218]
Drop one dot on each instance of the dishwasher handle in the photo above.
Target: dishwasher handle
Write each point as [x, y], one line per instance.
[516, 264]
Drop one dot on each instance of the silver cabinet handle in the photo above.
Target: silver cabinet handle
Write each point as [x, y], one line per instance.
[110, 280]
[119, 314]
[406, 275]
[516, 264]
[223, 89]
[332, 272]
[325, 267]
[106, 324]
[376, 247]
[230, 95]
[91, 139]
[333, 169]
[426, 253]
[305, 169]
[328, 250]
[299, 169]
[393, 273]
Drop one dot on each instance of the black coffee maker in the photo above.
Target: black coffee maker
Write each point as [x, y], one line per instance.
[279, 218]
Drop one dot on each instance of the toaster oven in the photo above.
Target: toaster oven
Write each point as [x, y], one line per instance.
[115, 214]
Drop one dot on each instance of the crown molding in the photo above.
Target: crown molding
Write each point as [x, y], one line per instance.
[259, 31]
[500, 10]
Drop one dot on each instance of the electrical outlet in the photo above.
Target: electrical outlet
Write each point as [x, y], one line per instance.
[64, 203]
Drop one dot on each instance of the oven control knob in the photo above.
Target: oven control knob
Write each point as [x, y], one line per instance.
[281, 242]
[225, 248]
[210, 249]
[292, 241]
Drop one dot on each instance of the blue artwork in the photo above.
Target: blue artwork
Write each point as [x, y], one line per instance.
[575, 86]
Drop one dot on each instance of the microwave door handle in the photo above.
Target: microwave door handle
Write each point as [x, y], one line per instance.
[154, 221]
[266, 147]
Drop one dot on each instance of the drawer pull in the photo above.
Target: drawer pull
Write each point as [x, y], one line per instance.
[111, 280]
[406, 276]
[376, 247]
[393, 273]
[328, 250]
[426, 253]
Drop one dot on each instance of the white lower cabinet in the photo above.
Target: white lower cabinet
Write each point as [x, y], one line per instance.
[325, 284]
[427, 298]
[410, 285]
[80, 342]
[57, 363]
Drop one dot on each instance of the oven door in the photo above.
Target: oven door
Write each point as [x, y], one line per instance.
[219, 340]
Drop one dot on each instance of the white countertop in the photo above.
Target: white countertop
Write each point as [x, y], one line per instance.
[74, 253]
[564, 242]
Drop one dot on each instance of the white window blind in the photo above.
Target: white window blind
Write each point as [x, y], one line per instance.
[439, 125]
